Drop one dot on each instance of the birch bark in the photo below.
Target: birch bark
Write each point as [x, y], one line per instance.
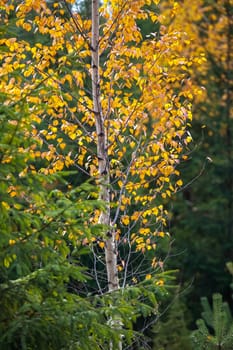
[102, 154]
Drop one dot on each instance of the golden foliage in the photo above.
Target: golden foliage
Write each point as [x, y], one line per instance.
[146, 96]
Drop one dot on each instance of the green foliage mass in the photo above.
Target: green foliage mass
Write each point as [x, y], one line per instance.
[36, 263]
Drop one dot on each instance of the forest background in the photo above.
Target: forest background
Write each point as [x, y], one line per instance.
[51, 253]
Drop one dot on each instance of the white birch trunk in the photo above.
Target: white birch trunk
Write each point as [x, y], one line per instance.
[103, 165]
[102, 154]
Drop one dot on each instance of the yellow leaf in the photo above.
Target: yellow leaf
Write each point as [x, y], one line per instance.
[12, 193]
[160, 283]
[12, 241]
[6, 205]
[154, 17]
[17, 206]
[189, 139]
[27, 27]
[148, 277]
[179, 182]
[154, 263]
[144, 231]
[120, 183]
[132, 144]
[161, 234]
[59, 165]
[125, 220]
[55, 123]
[62, 145]
[7, 262]
[101, 245]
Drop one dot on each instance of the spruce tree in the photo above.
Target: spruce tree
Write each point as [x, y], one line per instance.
[215, 329]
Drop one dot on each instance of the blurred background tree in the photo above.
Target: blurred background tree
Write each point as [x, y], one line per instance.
[202, 213]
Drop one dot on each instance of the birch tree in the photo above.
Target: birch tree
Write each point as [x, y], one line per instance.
[113, 105]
